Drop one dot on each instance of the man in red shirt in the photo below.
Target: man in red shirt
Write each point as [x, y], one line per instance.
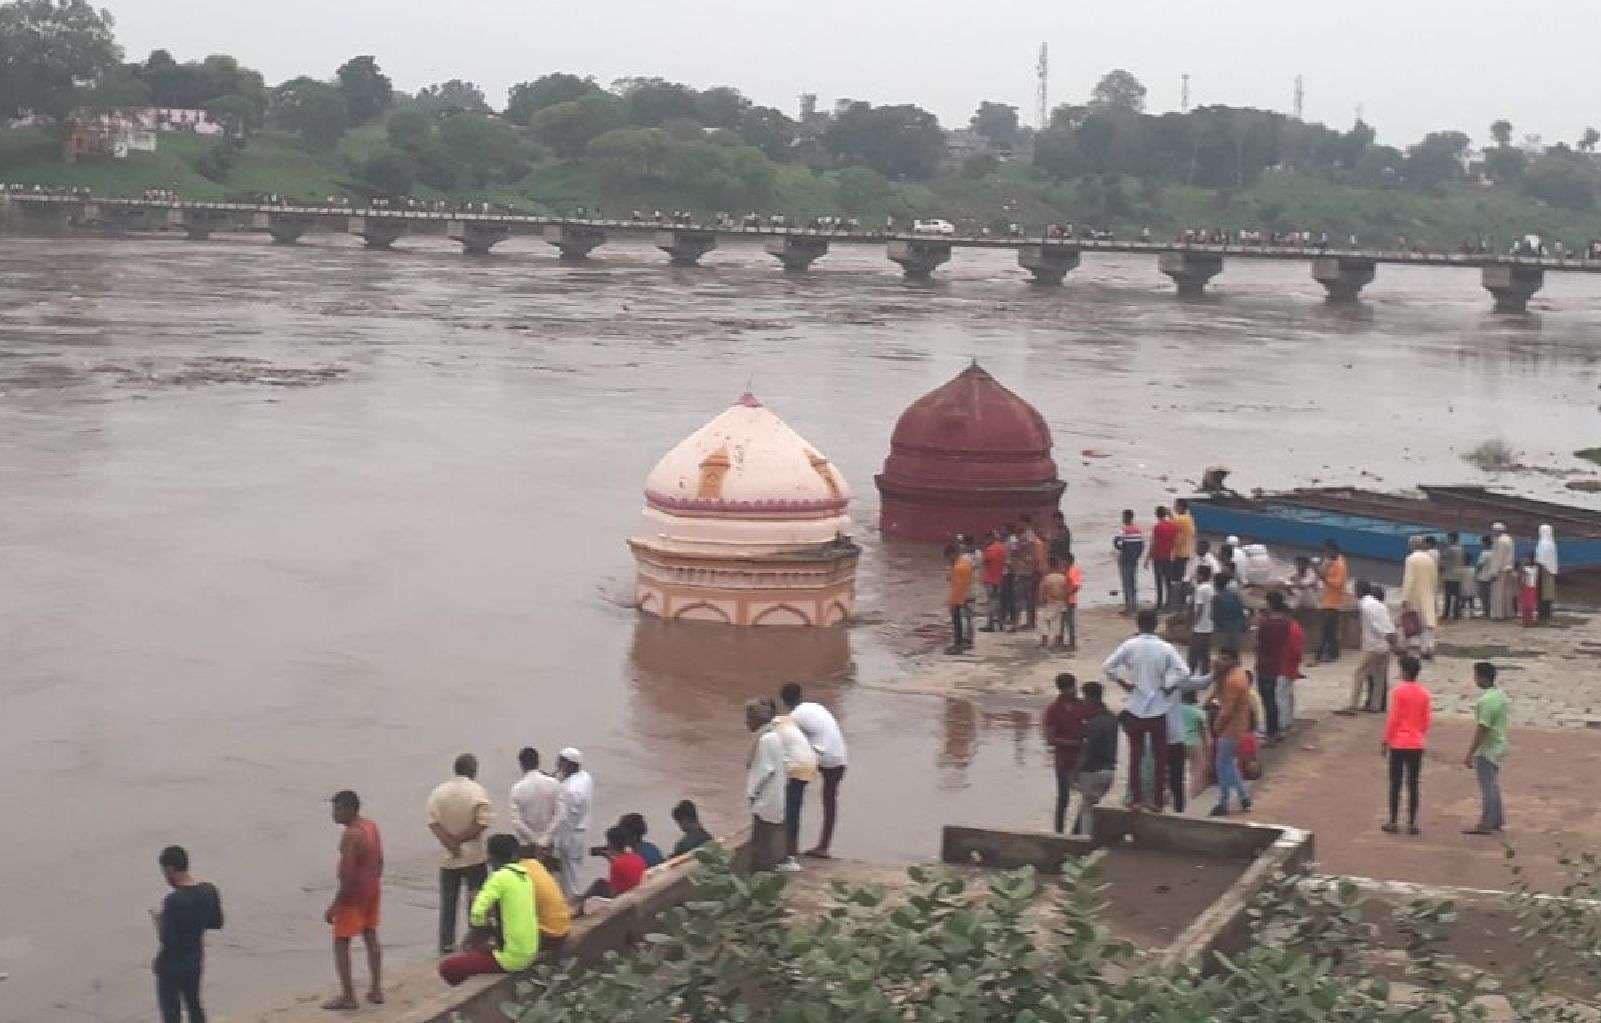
[1159, 555]
[627, 868]
[1064, 734]
[1272, 636]
[354, 909]
[1294, 650]
[1406, 734]
[994, 556]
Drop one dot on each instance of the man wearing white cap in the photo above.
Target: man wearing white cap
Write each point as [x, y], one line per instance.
[1503, 574]
[566, 834]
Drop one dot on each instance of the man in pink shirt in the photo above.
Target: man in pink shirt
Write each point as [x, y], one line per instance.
[1406, 735]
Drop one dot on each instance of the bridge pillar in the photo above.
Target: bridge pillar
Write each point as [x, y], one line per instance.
[919, 257]
[576, 241]
[477, 237]
[1343, 277]
[797, 251]
[377, 232]
[684, 247]
[1512, 284]
[1048, 263]
[285, 228]
[1190, 270]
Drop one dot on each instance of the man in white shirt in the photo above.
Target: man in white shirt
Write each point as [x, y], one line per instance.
[1149, 670]
[1378, 643]
[1201, 622]
[764, 787]
[533, 802]
[1203, 557]
[458, 815]
[800, 767]
[823, 732]
[569, 827]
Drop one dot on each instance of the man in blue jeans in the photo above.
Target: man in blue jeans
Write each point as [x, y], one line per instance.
[1130, 546]
[1489, 749]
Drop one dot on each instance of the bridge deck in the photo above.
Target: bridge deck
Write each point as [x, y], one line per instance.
[1389, 256]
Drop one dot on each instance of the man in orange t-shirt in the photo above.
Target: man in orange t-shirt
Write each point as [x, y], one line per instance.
[1075, 582]
[961, 579]
[1406, 734]
[354, 909]
[1334, 573]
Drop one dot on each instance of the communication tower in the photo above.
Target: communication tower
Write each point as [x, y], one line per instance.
[1300, 96]
[1042, 100]
[1184, 93]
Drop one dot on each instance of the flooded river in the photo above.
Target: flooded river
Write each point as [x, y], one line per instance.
[278, 521]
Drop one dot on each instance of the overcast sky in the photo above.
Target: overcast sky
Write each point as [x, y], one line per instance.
[1413, 65]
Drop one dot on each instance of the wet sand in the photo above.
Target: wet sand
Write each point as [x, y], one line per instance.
[276, 521]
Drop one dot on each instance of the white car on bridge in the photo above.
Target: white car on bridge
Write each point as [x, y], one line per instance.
[933, 227]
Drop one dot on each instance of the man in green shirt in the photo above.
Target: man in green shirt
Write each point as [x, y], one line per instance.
[1489, 748]
[509, 895]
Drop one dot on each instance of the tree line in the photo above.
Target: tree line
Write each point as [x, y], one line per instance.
[716, 147]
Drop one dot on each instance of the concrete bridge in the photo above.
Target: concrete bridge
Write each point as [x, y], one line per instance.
[1511, 280]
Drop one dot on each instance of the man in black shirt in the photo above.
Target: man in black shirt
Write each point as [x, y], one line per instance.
[688, 821]
[1097, 758]
[190, 910]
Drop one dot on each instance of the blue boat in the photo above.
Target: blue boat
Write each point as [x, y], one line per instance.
[1379, 526]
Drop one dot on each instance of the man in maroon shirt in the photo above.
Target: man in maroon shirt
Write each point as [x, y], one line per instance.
[1159, 555]
[1272, 639]
[1064, 733]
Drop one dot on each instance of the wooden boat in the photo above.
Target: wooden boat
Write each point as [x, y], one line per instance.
[1372, 525]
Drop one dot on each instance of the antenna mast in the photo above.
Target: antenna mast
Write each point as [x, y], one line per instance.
[1300, 96]
[1042, 101]
[1184, 93]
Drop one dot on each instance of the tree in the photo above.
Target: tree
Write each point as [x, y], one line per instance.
[366, 89]
[568, 127]
[454, 96]
[409, 129]
[116, 87]
[237, 114]
[654, 101]
[902, 141]
[1119, 90]
[1501, 131]
[720, 107]
[482, 144]
[525, 99]
[48, 49]
[388, 172]
[1587, 141]
[315, 110]
[996, 122]
[1505, 165]
[769, 130]
[1437, 160]
[1563, 178]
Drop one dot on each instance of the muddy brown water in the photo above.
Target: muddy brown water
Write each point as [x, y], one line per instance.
[276, 521]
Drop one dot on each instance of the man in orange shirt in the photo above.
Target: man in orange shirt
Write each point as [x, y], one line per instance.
[1231, 726]
[354, 909]
[1406, 734]
[1075, 582]
[1333, 572]
[961, 579]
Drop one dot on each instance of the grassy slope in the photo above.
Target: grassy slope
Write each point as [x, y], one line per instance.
[275, 162]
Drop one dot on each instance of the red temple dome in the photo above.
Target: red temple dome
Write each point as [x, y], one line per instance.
[966, 458]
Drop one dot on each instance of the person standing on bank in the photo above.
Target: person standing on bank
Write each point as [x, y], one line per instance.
[190, 910]
[1452, 561]
[1130, 546]
[764, 787]
[355, 907]
[1420, 591]
[1201, 626]
[993, 558]
[1545, 556]
[1272, 636]
[1097, 761]
[1488, 750]
[960, 581]
[1183, 551]
[1332, 574]
[823, 732]
[800, 767]
[1159, 555]
[1064, 734]
[533, 802]
[567, 837]
[1148, 669]
[1232, 725]
[458, 815]
[1378, 645]
[1406, 735]
[1503, 572]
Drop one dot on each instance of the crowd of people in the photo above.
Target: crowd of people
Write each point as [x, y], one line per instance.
[521, 887]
